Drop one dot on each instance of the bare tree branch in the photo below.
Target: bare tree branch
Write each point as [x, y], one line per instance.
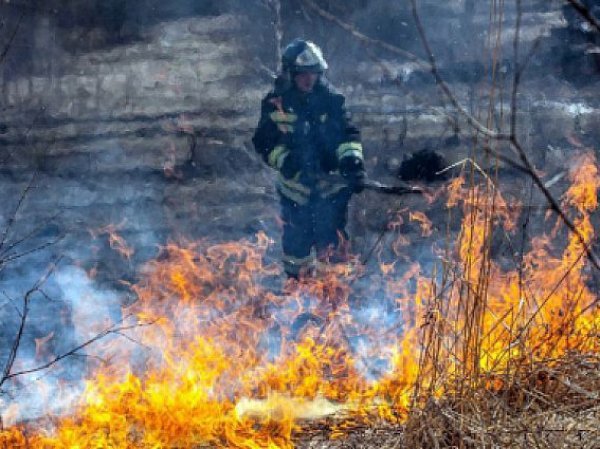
[585, 13]
[13, 217]
[12, 257]
[27, 236]
[554, 205]
[111, 330]
[275, 8]
[17, 341]
[364, 38]
[12, 37]
[511, 137]
[445, 88]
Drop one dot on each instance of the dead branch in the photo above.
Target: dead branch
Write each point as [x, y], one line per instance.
[11, 221]
[585, 13]
[363, 37]
[523, 155]
[510, 137]
[6, 372]
[12, 37]
[275, 8]
[27, 236]
[445, 88]
[431, 66]
[12, 257]
[114, 329]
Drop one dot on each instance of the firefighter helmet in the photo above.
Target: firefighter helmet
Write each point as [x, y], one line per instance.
[303, 56]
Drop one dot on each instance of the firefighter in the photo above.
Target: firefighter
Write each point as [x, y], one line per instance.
[305, 133]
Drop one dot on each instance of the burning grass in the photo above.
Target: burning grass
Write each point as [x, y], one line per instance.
[476, 355]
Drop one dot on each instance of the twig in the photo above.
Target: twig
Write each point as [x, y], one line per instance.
[13, 257]
[12, 219]
[585, 13]
[275, 8]
[11, 301]
[106, 332]
[46, 296]
[91, 357]
[511, 137]
[528, 57]
[517, 75]
[363, 37]
[17, 341]
[132, 340]
[369, 254]
[12, 37]
[27, 236]
[6, 373]
[521, 264]
[445, 88]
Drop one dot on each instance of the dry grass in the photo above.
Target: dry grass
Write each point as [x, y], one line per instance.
[547, 408]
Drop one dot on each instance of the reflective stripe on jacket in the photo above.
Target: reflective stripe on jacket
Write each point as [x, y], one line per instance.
[314, 130]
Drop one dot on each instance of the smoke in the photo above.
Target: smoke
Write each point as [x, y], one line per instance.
[108, 182]
[84, 311]
[92, 310]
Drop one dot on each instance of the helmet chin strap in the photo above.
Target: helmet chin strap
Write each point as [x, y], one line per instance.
[305, 84]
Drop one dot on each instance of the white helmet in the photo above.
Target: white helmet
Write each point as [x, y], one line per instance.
[303, 56]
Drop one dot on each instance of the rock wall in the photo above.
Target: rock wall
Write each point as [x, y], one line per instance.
[149, 136]
[152, 133]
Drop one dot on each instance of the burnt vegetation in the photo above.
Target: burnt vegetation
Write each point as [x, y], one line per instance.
[490, 339]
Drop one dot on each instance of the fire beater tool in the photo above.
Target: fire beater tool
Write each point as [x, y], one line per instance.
[376, 186]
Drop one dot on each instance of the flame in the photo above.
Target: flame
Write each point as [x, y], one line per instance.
[230, 363]
[41, 346]
[278, 406]
[503, 317]
[424, 222]
[116, 242]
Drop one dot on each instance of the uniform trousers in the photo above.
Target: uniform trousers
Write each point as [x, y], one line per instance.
[320, 223]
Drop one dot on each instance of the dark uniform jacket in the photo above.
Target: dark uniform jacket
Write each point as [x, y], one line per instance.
[314, 131]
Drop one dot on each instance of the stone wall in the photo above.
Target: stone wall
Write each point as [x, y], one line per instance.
[151, 136]
[153, 133]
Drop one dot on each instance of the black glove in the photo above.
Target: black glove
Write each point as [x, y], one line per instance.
[353, 169]
[356, 181]
[291, 166]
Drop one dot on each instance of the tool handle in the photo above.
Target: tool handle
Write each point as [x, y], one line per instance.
[391, 190]
[376, 186]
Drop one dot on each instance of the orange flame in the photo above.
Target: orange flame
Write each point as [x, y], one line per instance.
[424, 222]
[229, 363]
[115, 241]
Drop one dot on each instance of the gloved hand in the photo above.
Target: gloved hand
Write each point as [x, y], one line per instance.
[353, 169]
[291, 166]
[356, 181]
